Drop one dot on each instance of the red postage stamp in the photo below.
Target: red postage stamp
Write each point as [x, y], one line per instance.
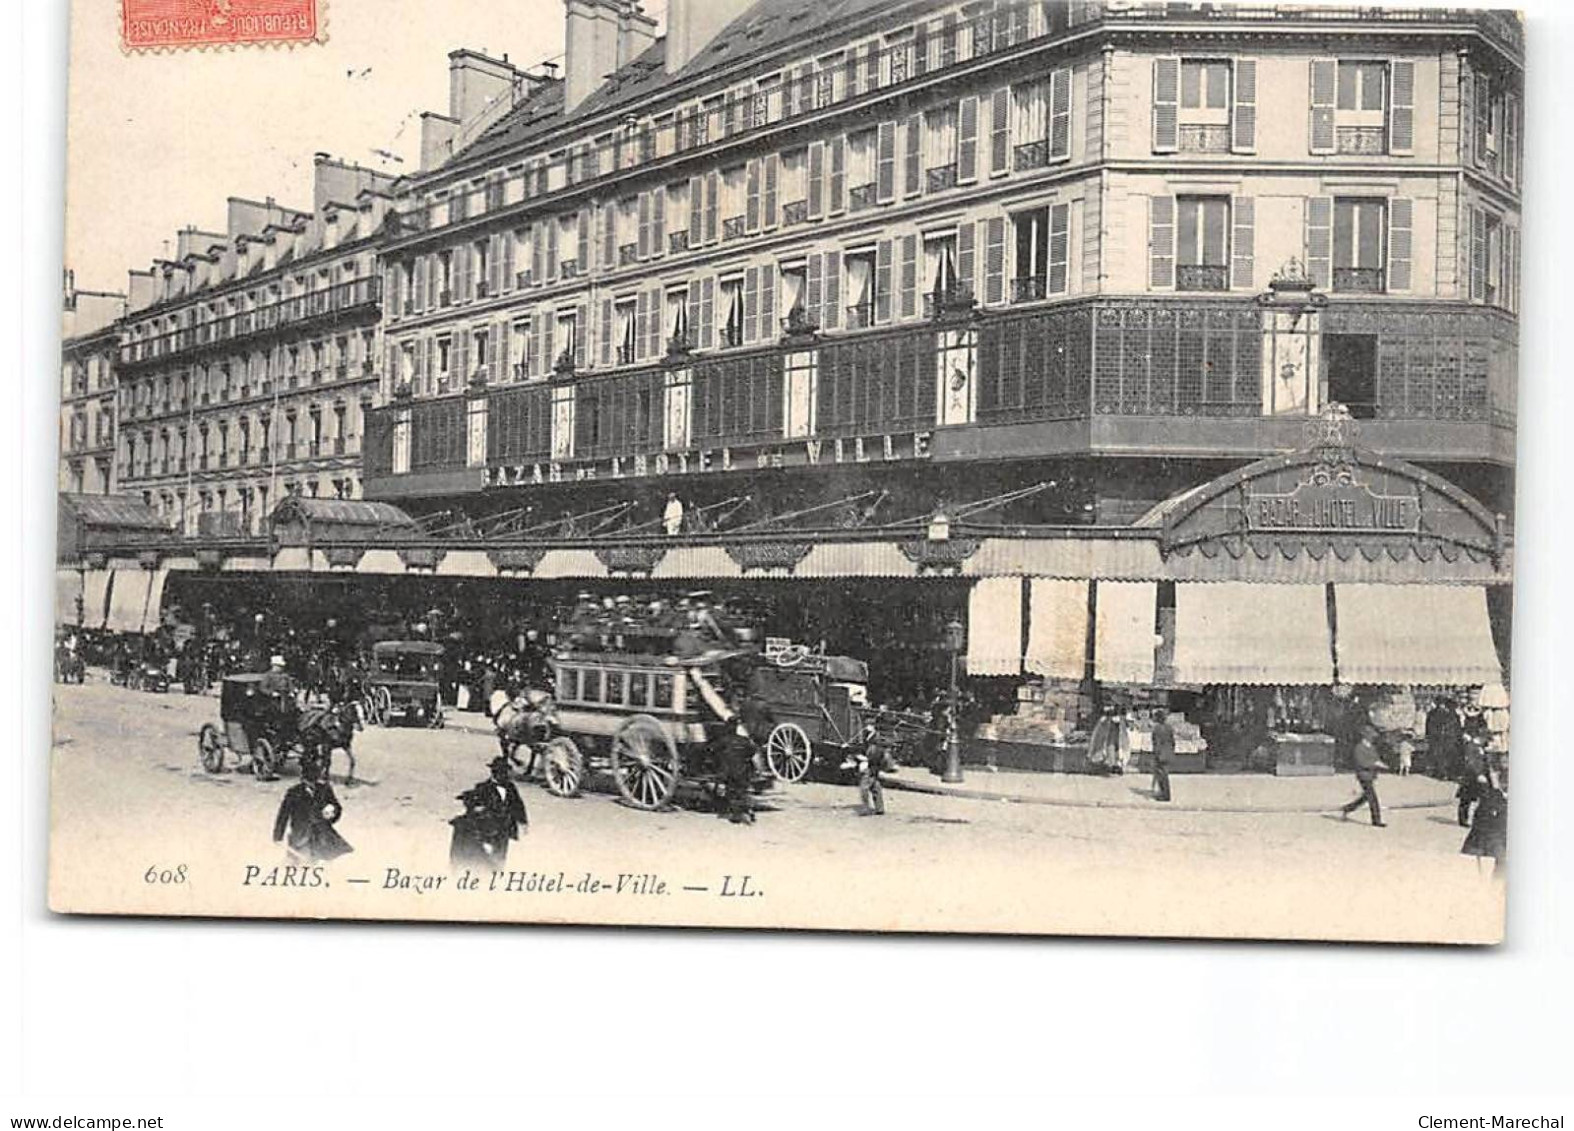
[153, 24]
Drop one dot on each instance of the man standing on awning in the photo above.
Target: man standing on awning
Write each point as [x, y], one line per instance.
[1366, 766]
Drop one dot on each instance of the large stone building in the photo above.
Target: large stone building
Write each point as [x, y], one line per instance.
[248, 359]
[90, 347]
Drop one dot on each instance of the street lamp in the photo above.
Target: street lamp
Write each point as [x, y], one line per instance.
[953, 750]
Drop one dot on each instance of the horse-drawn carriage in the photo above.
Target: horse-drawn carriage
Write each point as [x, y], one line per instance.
[404, 682]
[263, 726]
[818, 705]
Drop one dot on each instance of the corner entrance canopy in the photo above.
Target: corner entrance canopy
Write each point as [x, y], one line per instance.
[91, 522]
[298, 520]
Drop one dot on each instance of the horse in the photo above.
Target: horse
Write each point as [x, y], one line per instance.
[524, 720]
[330, 728]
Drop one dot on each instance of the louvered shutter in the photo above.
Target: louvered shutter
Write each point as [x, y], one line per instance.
[814, 288]
[605, 345]
[751, 304]
[694, 313]
[496, 276]
[913, 158]
[768, 303]
[495, 359]
[966, 266]
[967, 141]
[1059, 248]
[1000, 131]
[1243, 116]
[459, 358]
[1319, 239]
[467, 273]
[1467, 114]
[644, 225]
[641, 325]
[538, 255]
[1325, 84]
[658, 223]
[504, 351]
[1483, 117]
[816, 180]
[549, 343]
[1478, 254]
[1166, 104]
[885, 178]
[838, 191]
[712, 207]
[554, 233]
[1161, 241]
[1401, 107]
[581, 325]
[658, 312]
[751, 212]
[696, 211]
[582, 251]
[909, 306]
[1243, 241]
[1401, 211]
[510, 241]
[707, 308]
[537, 341]
[1060, 115]
[882, 281]
[833, 290]
[772, 215]
[418, 285]
[995, 260]
[1511, 139]
[391, 366]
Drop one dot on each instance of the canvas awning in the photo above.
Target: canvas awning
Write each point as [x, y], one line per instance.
[95, 597]
[68, 590]
[152, 613]
[1057, 637]
[1240, 633]
[994, 627]
[1415, 634]
[128, 599]
[1124, 631]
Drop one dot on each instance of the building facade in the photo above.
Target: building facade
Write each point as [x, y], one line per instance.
[1121, 246]
[90, 349]
[249, 360]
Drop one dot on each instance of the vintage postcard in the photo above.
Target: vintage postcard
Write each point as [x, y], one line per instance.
[947, 466]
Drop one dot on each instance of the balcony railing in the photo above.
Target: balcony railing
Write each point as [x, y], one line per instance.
[860, 316]
[795, 212]
[568, 269]
[628, 254]
[1029, 288]
[677, 241]
[1031, 155]
[732, 228]
[1361, 141]
[1359, 280]
[521, 279]
[1200, 277]
[860, 197]
[941, 178]
[626, 354]
[1203, 138]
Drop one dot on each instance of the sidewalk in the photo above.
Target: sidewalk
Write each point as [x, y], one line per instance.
[1194, 793]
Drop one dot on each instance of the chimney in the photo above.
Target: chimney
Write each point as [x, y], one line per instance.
[437, 139]
[693, 24]
[590, 48]
[477, 83]
[636, 32]
[141, 290]
[341, 182]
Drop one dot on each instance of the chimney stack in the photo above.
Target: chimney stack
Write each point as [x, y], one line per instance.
[591, 39]
[693, 24]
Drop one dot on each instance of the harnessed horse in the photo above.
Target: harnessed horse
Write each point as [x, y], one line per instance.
[524, 720]
[326, 729]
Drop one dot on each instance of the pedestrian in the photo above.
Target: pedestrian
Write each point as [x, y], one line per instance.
[1473, 776]
[870, 758]
[1442, 739]
[1163, 754]
[672, 516]
[308, 813]
[505, 806]
[1366, 767]
[1488, 834]
[736, 756]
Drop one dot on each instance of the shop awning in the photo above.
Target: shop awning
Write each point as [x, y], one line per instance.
[1236, 632]
[1124, 631]
[68, 589]
[1415, 634]
[128, 599]
[1057, 638]
[994, 627]
[152, 613]
[95, 597]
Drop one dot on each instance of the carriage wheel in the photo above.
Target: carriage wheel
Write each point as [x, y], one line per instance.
[384, 701]
[563, 767]
[210, 748]
[788, 752]
[645, 763]
[437, 720]
[265, 758]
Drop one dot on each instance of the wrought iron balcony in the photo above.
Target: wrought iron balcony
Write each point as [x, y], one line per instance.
[860, 316]
[521, 279]
[483, 288]
[1361, 141]
[1359, 280]
[1029, 288]
[1031, 155]
[625, 354]
[860, 197]
[445, 297]
[568, 269]
[941, 178]
[628, 254]
[1204, 138]
[1202, 277]
[677, 241]
[732, 228]
[795, 212]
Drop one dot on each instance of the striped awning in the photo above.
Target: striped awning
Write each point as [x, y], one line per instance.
[69, 589]
[128, 599]
[95, 597]
[1415, 635]
[1057, 638]
[1124, 634]
[994, 627]
[1241, 633]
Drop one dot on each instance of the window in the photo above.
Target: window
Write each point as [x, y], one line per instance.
[940, 148]
[521, 350]
[795, 187]
[794, 277]
[444, 361]
[734, 201]
[1350, 361]
[567, 340]
[1202, 243]
[678, 208]
[481, 261]
[445, 277]
[627, 341]
[677, 316]
[1361, 101]
[1359, 237]
[1204, 106]
[860, 170]
[480, 342]
[732, 309]
[858, 267]
[940, 282]
[1041, 250]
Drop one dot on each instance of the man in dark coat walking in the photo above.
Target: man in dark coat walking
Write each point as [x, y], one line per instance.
[308, 813]
[494, 816]
[1366, 766]
[1472, 777]
[1163, 755]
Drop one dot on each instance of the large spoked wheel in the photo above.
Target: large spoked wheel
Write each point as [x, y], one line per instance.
[788, 752]
[563, 767]
[645, 763]
[265, 758]
[210, 748]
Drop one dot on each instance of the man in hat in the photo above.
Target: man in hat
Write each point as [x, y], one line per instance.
[1442, 739]
[1366, 766]
[1163, 754]
[501, 810]
[308, 813]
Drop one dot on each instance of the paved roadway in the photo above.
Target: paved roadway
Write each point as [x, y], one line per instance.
[128, 795]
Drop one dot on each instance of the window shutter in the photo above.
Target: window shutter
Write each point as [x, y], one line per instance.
[707, 309]
[1166, 104]
[581, 325]
[913, 158]
[1243, 118]
[696, 211]
[644, 225]
[495, 276]
[772, 176]
[1325, 84]
[1161, 241]
[548, 343]
[752, 200]
[658, 313]
[1401, 107]
[833, 290]
[813, 285]
[1483, 101]
[1000, 132]
[497, 342]
[885, 190]
[995, 260]
[609, 238]
[751, 304]
[882, 281]
[909, 276]
[1467, 115]
[1478, 254]
[1059, 247]
[533, 365]
[509, 240]
[1060, 115]
[967, 141]
[582, 247]
[658, 223]
[1319, 239]
[816, 180]
[554, 234]
[418, 289]
[605, 343]
[459, 358]
[965, 259]
[712, 207]
[694, 313]
[1511, 139]
[838, 193]
[1243, 241]
[768, 303]
[642, 326]
[1400, 245]
[538, 273]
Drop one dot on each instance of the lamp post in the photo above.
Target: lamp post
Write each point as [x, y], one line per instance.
[953, 749]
